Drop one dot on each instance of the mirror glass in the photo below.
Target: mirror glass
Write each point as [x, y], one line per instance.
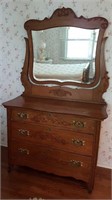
[65, 54]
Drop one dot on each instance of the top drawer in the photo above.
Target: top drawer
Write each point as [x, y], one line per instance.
[67, 121]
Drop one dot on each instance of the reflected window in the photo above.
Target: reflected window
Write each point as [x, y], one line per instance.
[80, 45]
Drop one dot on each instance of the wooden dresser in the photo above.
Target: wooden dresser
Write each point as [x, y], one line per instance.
[54, 136]
[54, 126]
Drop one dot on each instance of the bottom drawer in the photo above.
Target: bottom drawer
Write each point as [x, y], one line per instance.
[51, 160]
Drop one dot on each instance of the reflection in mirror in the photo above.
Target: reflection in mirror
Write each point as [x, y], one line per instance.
[65, 54]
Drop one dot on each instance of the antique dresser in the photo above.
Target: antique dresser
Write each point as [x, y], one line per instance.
[54, 126]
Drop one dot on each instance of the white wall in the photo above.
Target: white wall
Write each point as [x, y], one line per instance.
[13, 14]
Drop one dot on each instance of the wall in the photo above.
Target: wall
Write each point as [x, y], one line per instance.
[13, 14]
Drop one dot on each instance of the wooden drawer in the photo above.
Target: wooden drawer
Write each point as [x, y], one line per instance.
[59, 120]
[51, 160]
[53, 137]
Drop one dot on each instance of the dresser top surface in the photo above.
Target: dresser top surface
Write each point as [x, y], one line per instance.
[91, 110]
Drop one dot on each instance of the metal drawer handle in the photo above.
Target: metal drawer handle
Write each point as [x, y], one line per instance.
[78, 142]
[22, 115]
[23, 132]
[78, 124]
[23, 151]
[76, 163]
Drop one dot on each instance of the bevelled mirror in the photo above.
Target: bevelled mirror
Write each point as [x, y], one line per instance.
[64, 54]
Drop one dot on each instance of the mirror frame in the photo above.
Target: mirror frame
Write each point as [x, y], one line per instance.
[64, 17]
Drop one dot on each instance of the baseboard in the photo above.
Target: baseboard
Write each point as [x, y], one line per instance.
[104, 166]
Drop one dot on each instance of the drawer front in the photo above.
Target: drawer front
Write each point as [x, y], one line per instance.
[53, 137]
[51, 160]
[59, 120]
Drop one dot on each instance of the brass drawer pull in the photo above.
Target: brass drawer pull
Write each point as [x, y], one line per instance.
[78, 124]
[78, 142]
[23, 115]
[76, 163]
[23, 132]
[23, 151]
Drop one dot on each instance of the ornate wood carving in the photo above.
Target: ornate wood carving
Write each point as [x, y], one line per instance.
[64, 12]
[51, 118]
[60, 92]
